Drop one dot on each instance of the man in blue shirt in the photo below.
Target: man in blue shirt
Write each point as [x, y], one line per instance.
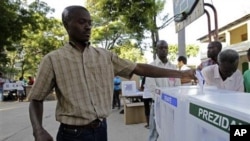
[117, 90]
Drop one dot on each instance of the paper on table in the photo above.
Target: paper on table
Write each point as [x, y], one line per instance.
[201, 80]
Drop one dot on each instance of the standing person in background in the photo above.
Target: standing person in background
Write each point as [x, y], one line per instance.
[82, 77]
[213, 49]
[182, 65]
[2, 81]
[117, 91]
[225, 74]
[20, 89]
[31, 80]
[151, 83]
[147, 100]
[246, 75]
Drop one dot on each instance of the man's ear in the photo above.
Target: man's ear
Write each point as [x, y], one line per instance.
[66, 25]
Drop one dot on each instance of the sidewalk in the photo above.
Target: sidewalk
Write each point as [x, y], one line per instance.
[118, 131]
[15, 124]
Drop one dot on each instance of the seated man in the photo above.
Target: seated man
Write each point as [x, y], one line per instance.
[225, 75]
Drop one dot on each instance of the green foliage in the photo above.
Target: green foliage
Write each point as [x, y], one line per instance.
[108, 35]
[28, 35]
[137, 15]
[115, 21]
[8, 19]
[130, 51]
[191, 51]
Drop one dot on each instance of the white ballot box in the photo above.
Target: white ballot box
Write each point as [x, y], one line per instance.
[210, 115]
[128, 88]
[171, 111]
[186, 113]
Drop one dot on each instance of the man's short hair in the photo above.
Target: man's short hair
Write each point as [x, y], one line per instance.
[183, 59]
[229, 56]
[216, 44]
[68, 13]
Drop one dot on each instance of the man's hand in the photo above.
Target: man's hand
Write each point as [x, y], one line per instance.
[42, 135]
[189, 74]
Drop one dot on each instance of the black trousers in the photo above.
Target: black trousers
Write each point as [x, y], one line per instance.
[94, 132]
[116, 98]
[147, 102]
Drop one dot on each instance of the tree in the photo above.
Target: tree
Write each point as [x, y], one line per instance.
[36, 35]
[47, 36]
[112, 34]
[130, 51]
[138, 16]
[107, 35]
[7, 35]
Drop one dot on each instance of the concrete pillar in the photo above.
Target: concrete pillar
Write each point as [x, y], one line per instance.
[248, 30]
[228, 38]
[181, 43]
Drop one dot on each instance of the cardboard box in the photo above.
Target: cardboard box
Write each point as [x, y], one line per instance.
[134, 113]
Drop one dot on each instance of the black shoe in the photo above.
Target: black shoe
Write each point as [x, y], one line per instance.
[122, 112]
[146, 126]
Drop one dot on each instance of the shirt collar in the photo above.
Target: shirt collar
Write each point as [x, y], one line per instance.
[159, 62]
[217, 73]
[87, 44]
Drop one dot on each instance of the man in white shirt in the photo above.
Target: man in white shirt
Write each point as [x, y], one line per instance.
[151, 83]
[213, 49]
[225, 75]
[20, 89]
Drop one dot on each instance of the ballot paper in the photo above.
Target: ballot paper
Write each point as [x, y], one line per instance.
[200, 79]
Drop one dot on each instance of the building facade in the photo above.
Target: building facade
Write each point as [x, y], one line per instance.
[234, 35]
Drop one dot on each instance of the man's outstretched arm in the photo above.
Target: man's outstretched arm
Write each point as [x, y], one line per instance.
[153, 71]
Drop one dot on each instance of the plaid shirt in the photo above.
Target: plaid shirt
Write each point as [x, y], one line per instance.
[83, 82]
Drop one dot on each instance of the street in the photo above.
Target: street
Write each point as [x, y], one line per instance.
[15, 124]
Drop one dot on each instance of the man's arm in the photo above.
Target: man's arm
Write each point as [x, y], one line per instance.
[36, 115]
[153, 71]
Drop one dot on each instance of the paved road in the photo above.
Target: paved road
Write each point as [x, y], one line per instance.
[15, 124]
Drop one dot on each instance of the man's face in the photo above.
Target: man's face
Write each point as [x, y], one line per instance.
[212, 51]
[79, 27]
[162, 51]
[180, 63]
[227, 69]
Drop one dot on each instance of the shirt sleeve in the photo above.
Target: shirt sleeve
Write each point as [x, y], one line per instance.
[122, 67]
[240, 81]
[44, 81]
[150, 85]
